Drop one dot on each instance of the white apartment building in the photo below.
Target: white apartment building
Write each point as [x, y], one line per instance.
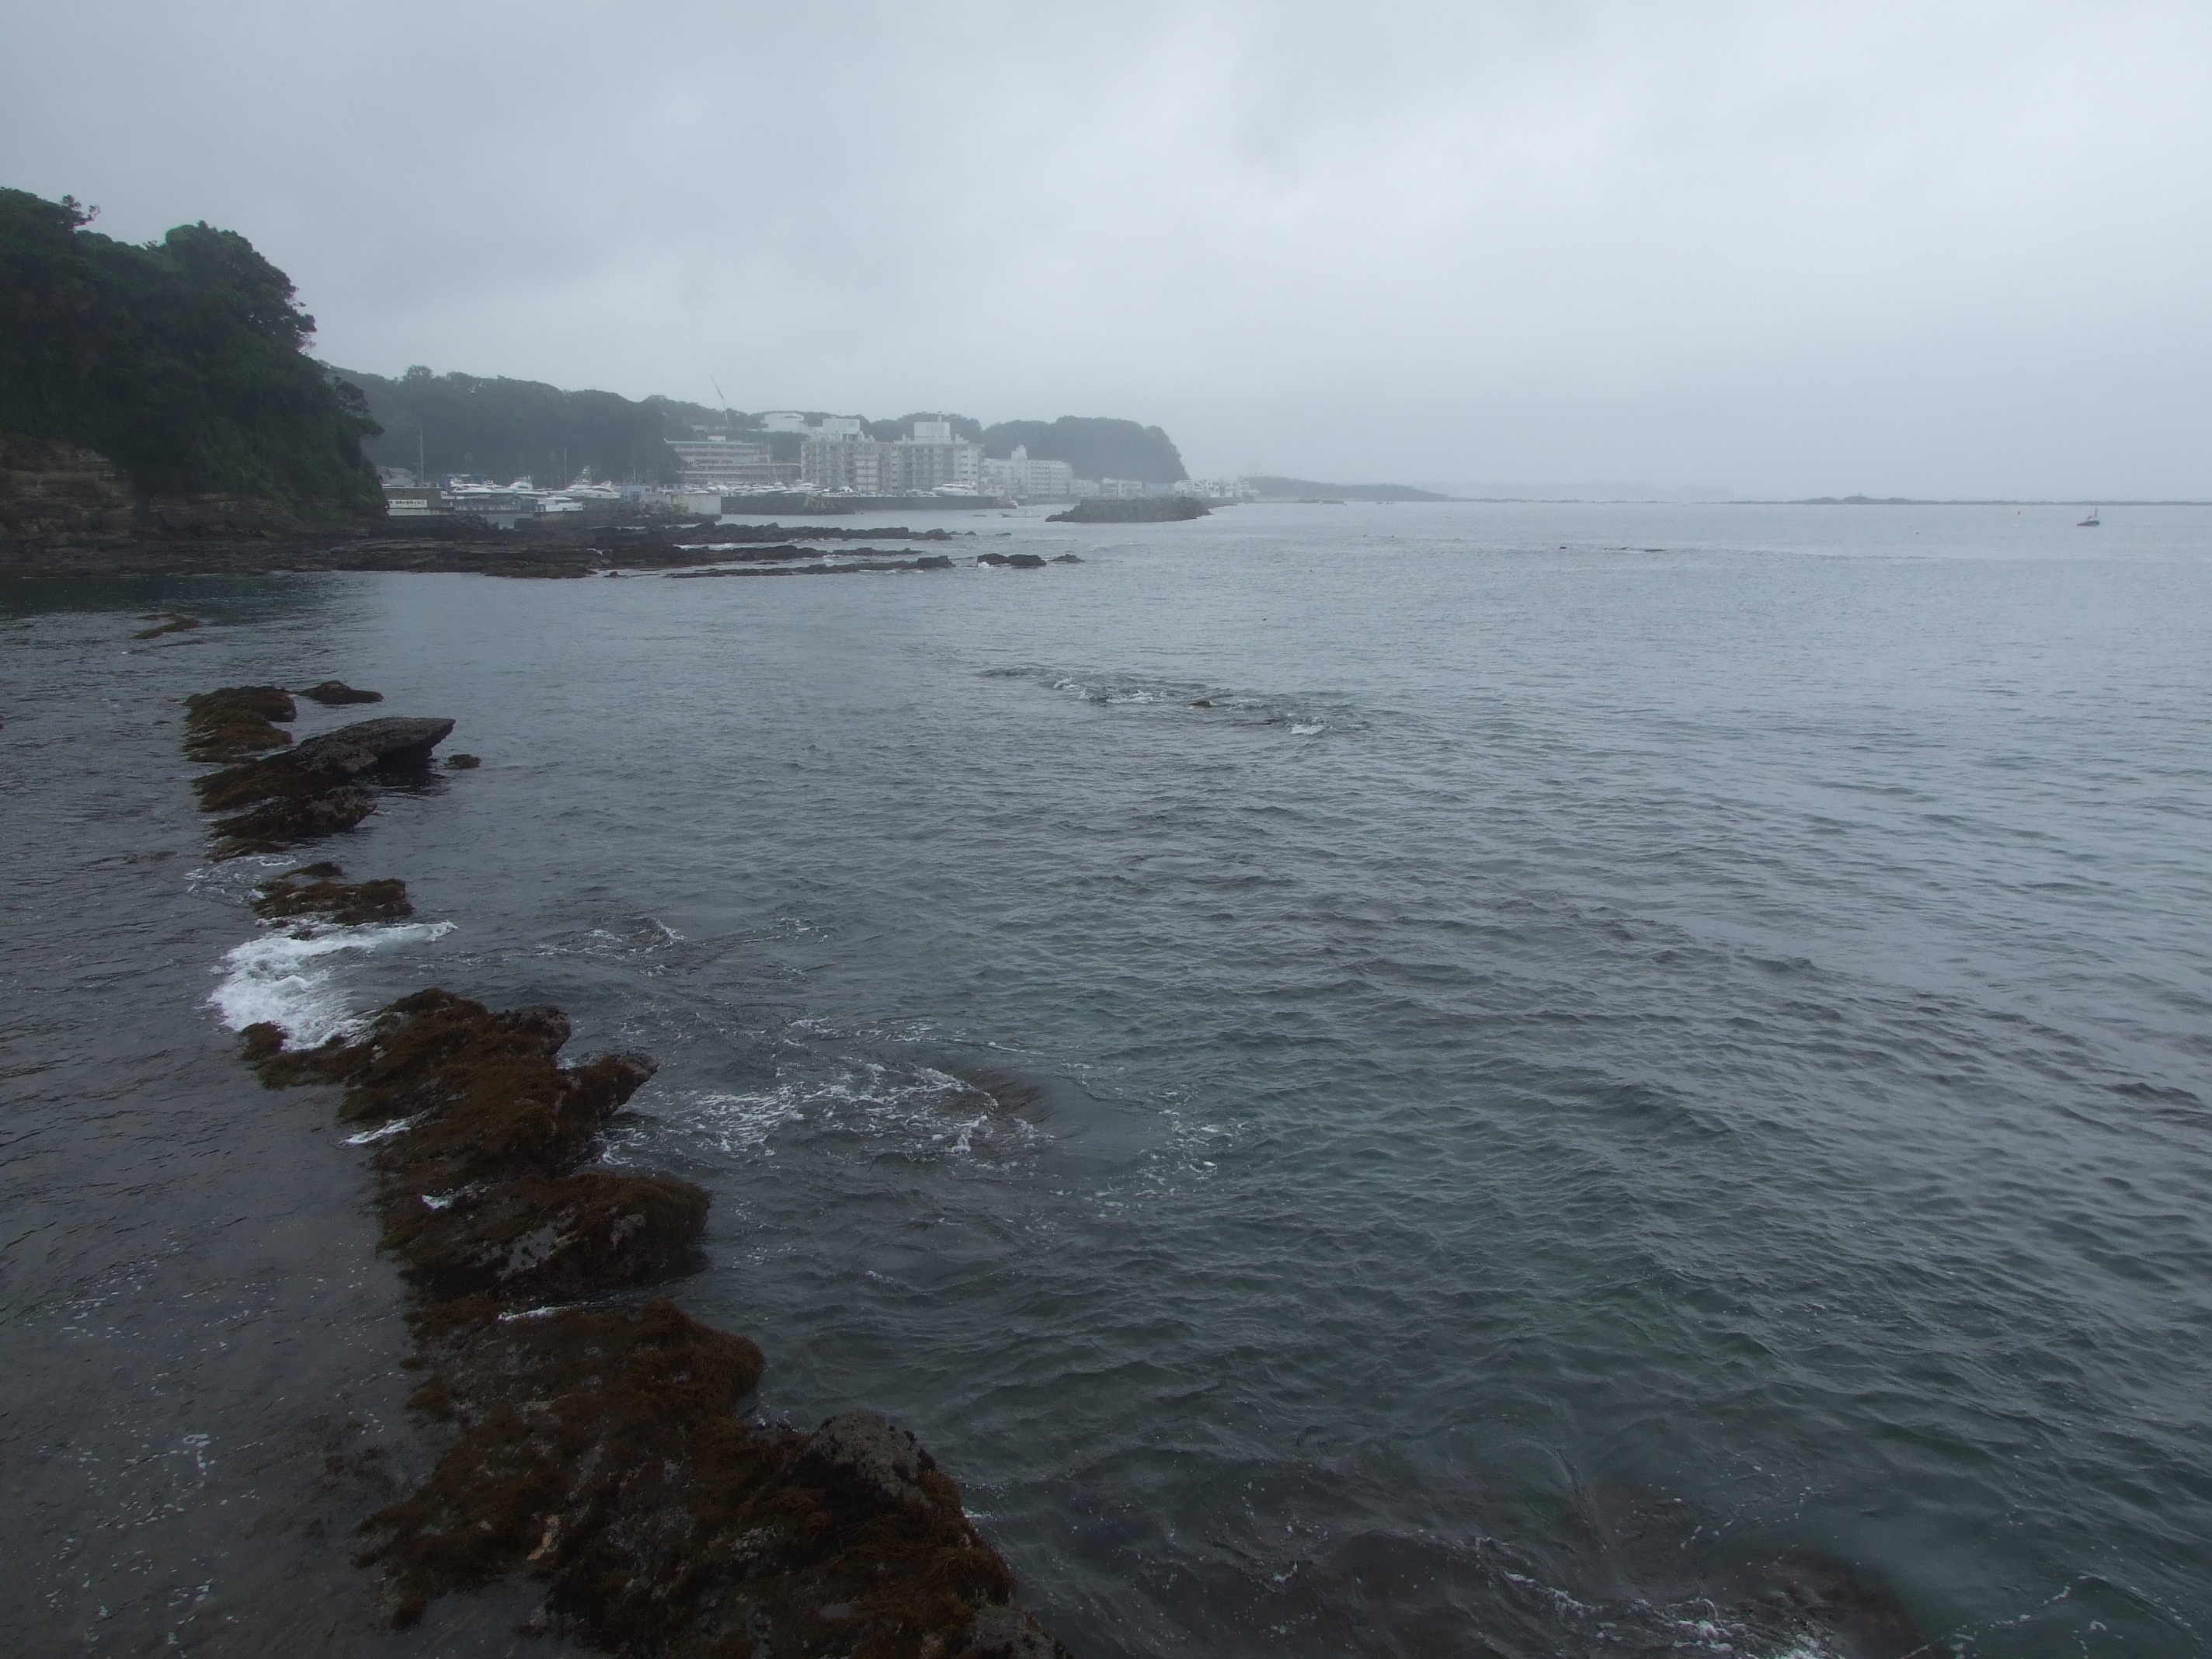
[840, 458]
[721, 461]
[1026, 480]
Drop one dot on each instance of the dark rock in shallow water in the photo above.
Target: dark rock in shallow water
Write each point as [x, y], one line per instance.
[462, 762]
[599, 1450]
[482, 1093]
[1012, 561]
[1068, 558]
[547, 1239]
[274, 827]
[320, 889]
[393, 743]
[236, 721]
[331, 693]
[310, 790]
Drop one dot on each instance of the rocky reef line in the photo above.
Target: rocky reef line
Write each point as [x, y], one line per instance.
[596, 1442]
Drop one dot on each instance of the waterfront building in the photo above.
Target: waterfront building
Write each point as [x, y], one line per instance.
[842, 459]
[718, 460]
[1027, 480]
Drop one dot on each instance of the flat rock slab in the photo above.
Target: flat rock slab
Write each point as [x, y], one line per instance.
[392, 744]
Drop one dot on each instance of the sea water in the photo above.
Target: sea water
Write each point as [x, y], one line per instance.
[1369, 1079]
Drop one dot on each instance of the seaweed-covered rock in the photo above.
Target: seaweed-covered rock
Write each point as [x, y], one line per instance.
[311, 789]
[547, 1239]
[321, 890]
[333, 693]
[863, 1448]
[1006, 1632]
[235, 722]
[599, 1450]
[601, 1454]
[274, 826]
[483, 1095]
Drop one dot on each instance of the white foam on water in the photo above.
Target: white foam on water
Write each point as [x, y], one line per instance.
[287, 979]
[923, 1110]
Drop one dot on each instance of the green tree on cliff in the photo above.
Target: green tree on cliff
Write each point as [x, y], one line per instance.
[182, 360]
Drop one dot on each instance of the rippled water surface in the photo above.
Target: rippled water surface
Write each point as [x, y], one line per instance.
[1320, 1058]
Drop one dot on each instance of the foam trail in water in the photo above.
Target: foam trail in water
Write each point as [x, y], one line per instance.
[285, 978]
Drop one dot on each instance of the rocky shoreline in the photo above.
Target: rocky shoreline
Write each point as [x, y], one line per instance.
[596, 1446]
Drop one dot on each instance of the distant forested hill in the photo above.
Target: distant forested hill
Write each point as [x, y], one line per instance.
[507, 429]
[1096, 448]
[183, 362]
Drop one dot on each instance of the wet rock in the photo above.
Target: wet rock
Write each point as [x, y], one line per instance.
[321, 890]
[1012, 561]
[236, 721]
[1006, 1632]
[310, 790]
[863, 1448]
[274, 827]
[331, 693]
[540, 1239]
[1068, 558]
[393, 743]
[174, 622]
[463, 763]
[599, 1450]
[481, 1092]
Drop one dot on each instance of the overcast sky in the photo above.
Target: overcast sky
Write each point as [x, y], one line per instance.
[1791, 249]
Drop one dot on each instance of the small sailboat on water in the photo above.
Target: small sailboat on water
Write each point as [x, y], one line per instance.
[2094, 521]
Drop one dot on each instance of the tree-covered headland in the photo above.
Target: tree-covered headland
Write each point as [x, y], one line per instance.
[1095, 448]
[506, 429]
[184, 362]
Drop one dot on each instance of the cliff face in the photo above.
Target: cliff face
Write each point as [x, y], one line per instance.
[56, 494]
[61, 492]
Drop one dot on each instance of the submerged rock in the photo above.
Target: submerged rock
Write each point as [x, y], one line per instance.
[175, 622]
[331, 693]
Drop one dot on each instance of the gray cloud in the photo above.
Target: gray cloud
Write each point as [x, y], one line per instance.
[1795, 249]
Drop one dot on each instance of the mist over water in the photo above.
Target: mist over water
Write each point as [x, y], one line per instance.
[1622, 1040]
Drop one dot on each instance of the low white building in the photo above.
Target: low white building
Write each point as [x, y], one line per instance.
[718, 460]
[1027, 480]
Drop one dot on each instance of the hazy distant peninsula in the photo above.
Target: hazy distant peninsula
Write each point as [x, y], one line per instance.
[1308, 490]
